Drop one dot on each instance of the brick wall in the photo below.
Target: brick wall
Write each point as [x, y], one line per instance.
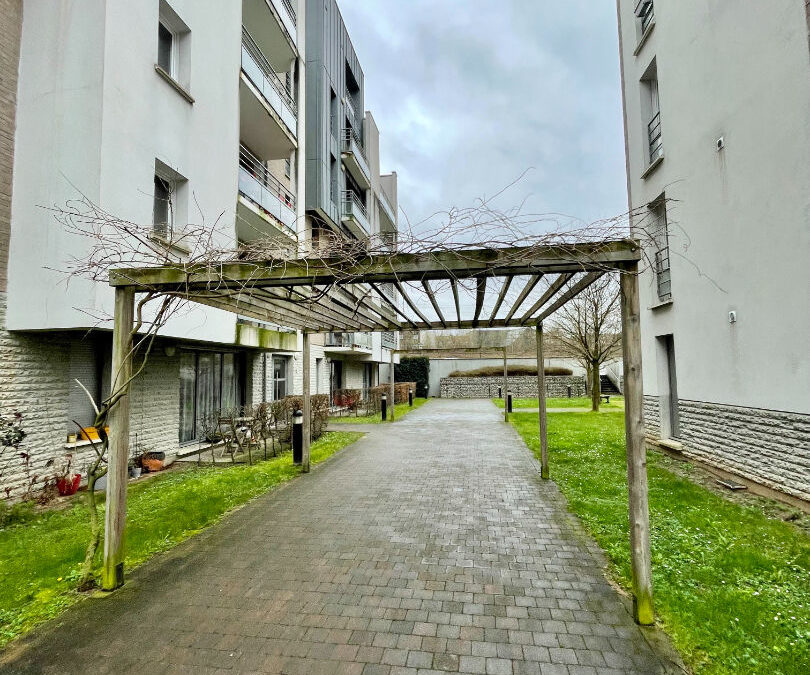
[769, 447]
[10, 30]
[521, 387]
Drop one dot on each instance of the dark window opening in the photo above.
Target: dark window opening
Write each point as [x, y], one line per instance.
[165, 45]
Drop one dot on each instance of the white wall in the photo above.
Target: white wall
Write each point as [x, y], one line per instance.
[740, 71]
[93, 117]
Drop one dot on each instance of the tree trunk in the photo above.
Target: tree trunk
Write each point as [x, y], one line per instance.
[87, 580]
[596, 389]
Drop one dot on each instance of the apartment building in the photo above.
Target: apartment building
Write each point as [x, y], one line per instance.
[717, 119]
[346, 196]
[163, 112]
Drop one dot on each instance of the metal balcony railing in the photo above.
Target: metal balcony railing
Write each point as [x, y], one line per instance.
[389, 340]
[290, 10]
[349, 340]
[645, 11]
[261, 73]
[352, 205]
[654, 136]
[351, 143]
[265, 190]
[663, 274]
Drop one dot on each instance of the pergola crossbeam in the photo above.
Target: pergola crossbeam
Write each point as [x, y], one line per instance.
[454, 286]
[393, 305]
[480, 296]
[528, 288]
[571, 293]
[410, 302]
[507, 282]
[432, 298]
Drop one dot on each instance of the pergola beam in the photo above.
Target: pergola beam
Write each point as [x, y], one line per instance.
[528, 288]
[393, 306]
[433, 302]
[571, 293]
[439, 265]
[507, 282]
[551, 291]
[480, 296]
[454, 286]
[410, 302]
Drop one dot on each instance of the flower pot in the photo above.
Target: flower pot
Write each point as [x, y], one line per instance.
[69, 484]
[134, 472]
[152, 465]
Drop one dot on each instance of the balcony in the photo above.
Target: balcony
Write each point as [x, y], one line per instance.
[351, 151]
[272, 96]
[348, 343]
[389, 340]
[267, 208]
[354, 215]
[274, 24]
[286, 12]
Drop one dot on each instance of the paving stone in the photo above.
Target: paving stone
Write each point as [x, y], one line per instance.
[401, 556]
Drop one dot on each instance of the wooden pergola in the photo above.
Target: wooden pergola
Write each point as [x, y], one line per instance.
[318, 295]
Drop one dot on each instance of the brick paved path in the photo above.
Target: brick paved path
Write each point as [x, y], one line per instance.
[430, 546]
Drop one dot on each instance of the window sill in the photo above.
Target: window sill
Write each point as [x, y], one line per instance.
[174, 246]
[652, 167]
[643, 39]
[670, 444]
[179, 88]
[660, 305]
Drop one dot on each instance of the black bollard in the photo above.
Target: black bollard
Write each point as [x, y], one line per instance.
[508, 401]
[384, 407]
[500, 392]
[569, 392]
[298, 436]
[410, 398]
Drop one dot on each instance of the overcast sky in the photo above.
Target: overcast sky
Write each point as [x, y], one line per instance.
[468, 94]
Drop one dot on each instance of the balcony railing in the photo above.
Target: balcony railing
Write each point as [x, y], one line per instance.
[265, 191]
[290, 10]
[645, 11]
[353, 208]
[390, 211]
[389, 340]
[267, 81]
[352, 145]
[656, 145]
[349, 340]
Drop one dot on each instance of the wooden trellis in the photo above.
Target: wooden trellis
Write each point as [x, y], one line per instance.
[316, 295]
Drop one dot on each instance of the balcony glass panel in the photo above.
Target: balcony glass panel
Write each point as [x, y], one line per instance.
[349, 340]
[265, 191]
[353, 209]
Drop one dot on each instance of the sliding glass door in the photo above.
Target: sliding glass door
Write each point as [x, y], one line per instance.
[210, 382]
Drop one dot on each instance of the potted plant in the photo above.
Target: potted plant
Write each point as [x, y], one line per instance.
[67, 482]
[152, 460]
[135, 467]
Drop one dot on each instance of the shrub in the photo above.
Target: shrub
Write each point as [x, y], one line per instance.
[283, 410]
[416, 370]
[514, 371]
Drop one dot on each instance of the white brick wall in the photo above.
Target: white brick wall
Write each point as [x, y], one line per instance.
[766, 446]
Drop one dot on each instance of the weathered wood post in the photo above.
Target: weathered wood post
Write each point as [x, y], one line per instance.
[306, 407]
[393, 403]
[505, 388]
[112, 575]
[541, 400]
[643, 609]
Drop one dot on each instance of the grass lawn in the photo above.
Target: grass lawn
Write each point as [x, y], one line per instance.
[400, 410]
[40, 560]
[732, 586]
[616, 403]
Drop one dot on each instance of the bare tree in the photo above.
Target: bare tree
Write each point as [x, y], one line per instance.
[590, 327]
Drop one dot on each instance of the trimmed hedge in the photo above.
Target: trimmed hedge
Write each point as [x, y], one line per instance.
[416, 370]
[513, 371]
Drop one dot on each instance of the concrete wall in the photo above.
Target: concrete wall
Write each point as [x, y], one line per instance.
[521, 387]
[739, 221]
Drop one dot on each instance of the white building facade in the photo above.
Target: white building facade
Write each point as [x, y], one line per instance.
[717, 124]
[169, 113]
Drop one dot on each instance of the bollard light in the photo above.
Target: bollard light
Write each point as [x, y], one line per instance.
[410, 398]
[500, 392]
[298, 436]
[384, 407]
[509, 401]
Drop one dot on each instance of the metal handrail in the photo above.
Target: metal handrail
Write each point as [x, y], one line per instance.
[350, 197]
[290, 10]
[350, 135]
[654, 137]
[269, 74]
[349, 340]
[257, 169]
[646, 12]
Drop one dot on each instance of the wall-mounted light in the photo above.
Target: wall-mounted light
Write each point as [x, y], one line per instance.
[732, 317]
[721, 143]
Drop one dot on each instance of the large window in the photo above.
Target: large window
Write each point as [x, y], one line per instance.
[210, 382]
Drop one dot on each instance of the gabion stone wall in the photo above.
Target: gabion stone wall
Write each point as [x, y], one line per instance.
[521, 387]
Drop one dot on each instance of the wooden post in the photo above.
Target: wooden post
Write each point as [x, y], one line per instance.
[393, 403]
[505, 388]
[112, 575]
[541, 400]
[636, 450]
[306, 406]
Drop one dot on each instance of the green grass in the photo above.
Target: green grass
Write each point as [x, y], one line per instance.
[616, 403]
[732, 587]
[401, 410]
[40, 560]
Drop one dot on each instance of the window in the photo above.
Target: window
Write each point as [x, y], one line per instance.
[651, 114]
[162, 209]
[280, 370]
[660, 237]
[333, 114]
[165, 47]
[645, 12]
[288, 167]
[318, 375]
[333, 180]
[173, 45]
[210, 382]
